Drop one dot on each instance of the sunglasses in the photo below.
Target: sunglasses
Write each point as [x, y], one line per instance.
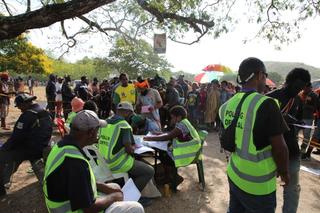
[266, 74]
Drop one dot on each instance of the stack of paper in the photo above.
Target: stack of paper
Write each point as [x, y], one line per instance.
[143, 149]
[138, 140]
[130, 191]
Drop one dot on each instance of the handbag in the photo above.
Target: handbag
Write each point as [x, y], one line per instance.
[227, 135]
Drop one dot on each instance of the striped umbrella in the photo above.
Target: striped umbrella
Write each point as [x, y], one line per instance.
[217, 68]
[206, 77]
[212, 72]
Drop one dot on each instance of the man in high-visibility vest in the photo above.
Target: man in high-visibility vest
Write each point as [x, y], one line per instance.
[117, 146]
[260, 150]
[69, 182]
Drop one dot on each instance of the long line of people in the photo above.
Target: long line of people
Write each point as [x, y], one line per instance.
[152, 98]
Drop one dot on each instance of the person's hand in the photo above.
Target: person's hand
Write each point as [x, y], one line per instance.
[151, 108]
[156, 132]
[147, 138]
[117, 196]
[285, 179]
[109, 188]
[113, 187]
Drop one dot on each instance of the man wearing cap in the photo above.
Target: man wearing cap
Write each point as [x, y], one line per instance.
[31, 135]
[260, 152]
[116, 145]
[69, 182]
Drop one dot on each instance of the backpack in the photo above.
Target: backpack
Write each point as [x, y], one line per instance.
[227, 135]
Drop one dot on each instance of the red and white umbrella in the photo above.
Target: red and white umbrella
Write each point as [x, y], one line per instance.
[270, 83]
[212, 72]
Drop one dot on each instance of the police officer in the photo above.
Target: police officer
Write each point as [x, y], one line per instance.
[260, 150]
[31, 134]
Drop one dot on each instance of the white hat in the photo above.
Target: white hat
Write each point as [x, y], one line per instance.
[86, 120]
[125, 105]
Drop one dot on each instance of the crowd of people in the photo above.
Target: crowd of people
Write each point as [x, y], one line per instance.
[257, 125]
[152, 97]
[8, 88]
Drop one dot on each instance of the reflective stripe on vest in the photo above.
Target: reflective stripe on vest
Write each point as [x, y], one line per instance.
[63, 208]
[251, 170]
[184, 153]
[55, 159]
[121, 161]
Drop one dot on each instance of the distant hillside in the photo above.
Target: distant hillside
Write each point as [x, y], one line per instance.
[284, 67]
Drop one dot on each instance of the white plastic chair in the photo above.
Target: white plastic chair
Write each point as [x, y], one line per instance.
[100, 169]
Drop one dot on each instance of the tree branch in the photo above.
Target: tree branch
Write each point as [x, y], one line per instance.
[28, 6]
[92, 24]
[7, 8]
[192, 42]
[12, 26]
[161, 16]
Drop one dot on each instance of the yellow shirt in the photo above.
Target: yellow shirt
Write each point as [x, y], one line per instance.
[127, 93]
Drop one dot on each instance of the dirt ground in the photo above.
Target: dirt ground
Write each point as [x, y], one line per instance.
[25, 194]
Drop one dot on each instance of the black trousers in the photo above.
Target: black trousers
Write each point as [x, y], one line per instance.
[51, 106]
[66, 106]
[10, 161]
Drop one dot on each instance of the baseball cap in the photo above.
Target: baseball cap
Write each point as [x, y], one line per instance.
[86, 120]
[125, 105]
[248, 68]
[24, 98]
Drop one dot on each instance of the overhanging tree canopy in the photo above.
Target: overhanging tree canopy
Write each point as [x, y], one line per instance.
[135, 18]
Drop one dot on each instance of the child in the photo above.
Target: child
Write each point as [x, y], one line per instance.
[186, 143]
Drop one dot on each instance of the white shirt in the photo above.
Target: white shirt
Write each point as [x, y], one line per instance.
[58, 91]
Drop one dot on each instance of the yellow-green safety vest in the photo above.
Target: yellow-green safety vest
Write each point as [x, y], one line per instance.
[184, 153]
[252, 170]
[121, 161]
[71, 116]
[55, 159]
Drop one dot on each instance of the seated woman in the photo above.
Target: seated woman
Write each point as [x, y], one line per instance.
[186, 143]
